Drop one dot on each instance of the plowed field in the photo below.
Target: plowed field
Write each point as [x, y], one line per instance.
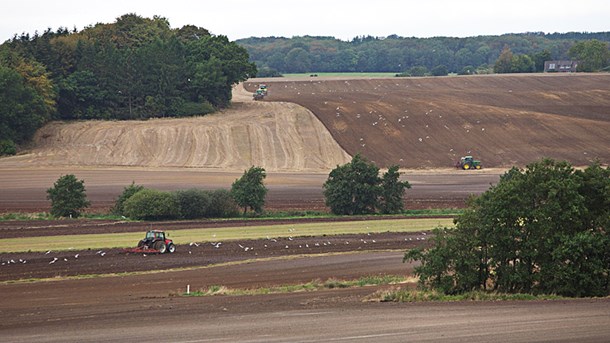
[504, 120]
[423, 124]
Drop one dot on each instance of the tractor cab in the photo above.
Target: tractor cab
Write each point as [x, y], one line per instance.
[155, 235]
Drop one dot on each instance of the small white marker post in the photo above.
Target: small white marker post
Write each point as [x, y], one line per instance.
[188, 289]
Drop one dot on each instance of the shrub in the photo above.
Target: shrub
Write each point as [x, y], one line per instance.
[193, 203]
[127, 193]
[151, 204]
[7, 147]
[222, 205]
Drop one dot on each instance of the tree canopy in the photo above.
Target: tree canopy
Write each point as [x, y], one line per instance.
[542, 230]
[399, 54]
[593, 55]
[356, 188]
[68, 197]
[249, 191]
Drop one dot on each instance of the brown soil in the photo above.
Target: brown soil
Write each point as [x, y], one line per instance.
[51, 264]
[504, 120]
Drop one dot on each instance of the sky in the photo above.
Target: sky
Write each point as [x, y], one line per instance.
[341, 19]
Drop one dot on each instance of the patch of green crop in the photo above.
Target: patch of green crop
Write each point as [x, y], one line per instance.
[311, 286]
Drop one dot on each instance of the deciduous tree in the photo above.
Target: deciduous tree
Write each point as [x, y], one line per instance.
[539, 230]
[68, 197]
[249, 191]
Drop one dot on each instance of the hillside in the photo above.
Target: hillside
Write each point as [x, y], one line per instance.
[277, 136]
[504, 120]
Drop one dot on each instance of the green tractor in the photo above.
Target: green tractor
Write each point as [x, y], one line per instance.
[258, 95]
[263, 88]
[468, 162]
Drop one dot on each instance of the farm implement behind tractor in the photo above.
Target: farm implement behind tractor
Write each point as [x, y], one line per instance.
[155, 242]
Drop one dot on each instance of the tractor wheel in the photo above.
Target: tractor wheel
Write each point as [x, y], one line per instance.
[466, 166]
[171, 248]
[141, 244]
[160, 245]
[478, 166]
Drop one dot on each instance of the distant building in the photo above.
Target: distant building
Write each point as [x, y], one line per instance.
[560, 66]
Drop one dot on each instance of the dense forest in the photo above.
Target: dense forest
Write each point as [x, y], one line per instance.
[134, 68]
[274, 55]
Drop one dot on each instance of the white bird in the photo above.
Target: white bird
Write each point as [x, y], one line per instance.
[217, 245]
[48, 252]
[76, 256]
[306, 245]
[289, 238]
[190, 252]
[246, 249]
[99, 252]
[240, 246]
[102, 254]
[54, 260]
[65, 259]
[286, 247]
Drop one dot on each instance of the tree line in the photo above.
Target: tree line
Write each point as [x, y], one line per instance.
[134, 68]
[276, 55]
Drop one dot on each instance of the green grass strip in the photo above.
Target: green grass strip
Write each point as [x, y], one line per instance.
[314, 285]
[126, 240]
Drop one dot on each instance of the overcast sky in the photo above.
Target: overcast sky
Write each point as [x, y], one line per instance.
[341, 19]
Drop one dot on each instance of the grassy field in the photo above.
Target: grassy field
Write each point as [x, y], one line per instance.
[127, 240]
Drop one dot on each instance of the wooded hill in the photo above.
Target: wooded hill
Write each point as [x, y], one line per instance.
[134, 68]
[400, 54]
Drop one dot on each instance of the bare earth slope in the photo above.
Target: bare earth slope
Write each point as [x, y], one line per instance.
[504, 120]
[277, 136]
